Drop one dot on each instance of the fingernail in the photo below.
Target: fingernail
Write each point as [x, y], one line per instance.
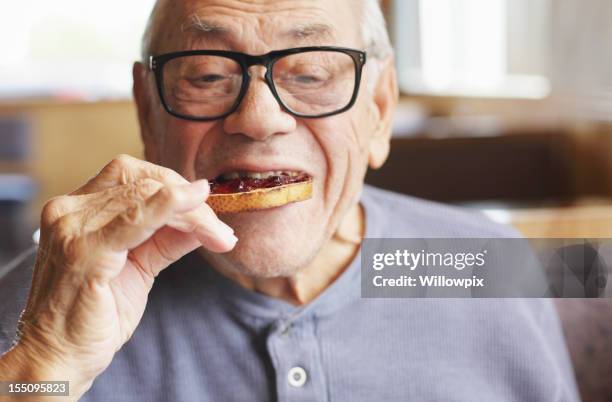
[234, 239]
[229, 238]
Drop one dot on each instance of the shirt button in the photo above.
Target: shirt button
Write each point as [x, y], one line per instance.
[297, 377]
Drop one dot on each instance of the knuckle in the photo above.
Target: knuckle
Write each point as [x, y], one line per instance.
[124, 159]
[130, 194]
[120, 164]
[135, 195]
[171, 196]
[52, 210]
[63, 227]
[70, 248]
[66, 242]
[147, 187]
[134, 215]
[117, 163]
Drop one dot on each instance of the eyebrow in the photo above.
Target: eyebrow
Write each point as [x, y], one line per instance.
[211, 30]
[314, 30]
[196, 23]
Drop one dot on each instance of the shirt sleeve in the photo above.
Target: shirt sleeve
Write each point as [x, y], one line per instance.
[15, 281]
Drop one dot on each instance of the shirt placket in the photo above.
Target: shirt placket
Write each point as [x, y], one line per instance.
[295, 355]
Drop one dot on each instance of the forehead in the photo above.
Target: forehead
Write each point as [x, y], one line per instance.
[257, 26]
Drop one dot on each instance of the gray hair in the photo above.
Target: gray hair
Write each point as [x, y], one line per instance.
[373, 31]
[375, 38]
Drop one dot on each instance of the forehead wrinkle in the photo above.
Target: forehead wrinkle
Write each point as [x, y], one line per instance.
[209, 30]
[237, 25]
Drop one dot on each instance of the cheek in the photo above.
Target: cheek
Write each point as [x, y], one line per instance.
[344, 141]
[181, 144]
[343, 145]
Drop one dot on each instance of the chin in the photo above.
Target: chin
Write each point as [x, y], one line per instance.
[277, 242]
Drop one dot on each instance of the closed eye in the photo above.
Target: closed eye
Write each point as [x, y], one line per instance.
[210, 78]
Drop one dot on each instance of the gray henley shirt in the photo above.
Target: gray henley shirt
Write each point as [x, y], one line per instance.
[205, 338]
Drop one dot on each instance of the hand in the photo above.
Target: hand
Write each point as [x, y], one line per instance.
[100, 250]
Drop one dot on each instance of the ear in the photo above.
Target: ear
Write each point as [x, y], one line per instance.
[385, 98]
[143, 96]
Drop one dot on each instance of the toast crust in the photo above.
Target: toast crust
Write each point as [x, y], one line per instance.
[258, 199]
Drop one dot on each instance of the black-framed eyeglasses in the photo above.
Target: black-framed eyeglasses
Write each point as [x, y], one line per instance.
[203, 85]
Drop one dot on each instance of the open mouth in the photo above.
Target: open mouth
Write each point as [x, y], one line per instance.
[239, 182]
[241, 191]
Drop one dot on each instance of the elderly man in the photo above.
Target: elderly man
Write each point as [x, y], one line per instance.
[263, 305]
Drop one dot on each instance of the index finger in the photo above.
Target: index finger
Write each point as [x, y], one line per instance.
[125, 169]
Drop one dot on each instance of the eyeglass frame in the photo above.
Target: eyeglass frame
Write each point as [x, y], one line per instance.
[157, 63]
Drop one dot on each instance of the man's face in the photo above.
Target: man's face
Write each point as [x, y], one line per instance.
[260, 136]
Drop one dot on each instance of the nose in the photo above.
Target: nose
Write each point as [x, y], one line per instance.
[259, 115]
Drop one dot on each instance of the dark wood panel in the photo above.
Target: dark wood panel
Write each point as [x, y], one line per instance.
[511, 167]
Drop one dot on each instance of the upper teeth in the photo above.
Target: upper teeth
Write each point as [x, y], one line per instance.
[230, 176]
[255, 175]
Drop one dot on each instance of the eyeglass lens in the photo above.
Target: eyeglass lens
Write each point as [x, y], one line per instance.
[308, 83]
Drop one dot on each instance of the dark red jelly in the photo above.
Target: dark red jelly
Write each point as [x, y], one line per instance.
[240, 185]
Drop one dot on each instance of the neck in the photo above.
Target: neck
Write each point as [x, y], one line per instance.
[334, 257]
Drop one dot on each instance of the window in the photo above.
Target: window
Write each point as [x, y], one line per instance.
[497, 48]
[70, 48]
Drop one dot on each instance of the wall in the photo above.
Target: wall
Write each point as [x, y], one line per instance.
[73, 141]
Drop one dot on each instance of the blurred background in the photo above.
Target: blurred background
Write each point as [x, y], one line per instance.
[506, 107]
